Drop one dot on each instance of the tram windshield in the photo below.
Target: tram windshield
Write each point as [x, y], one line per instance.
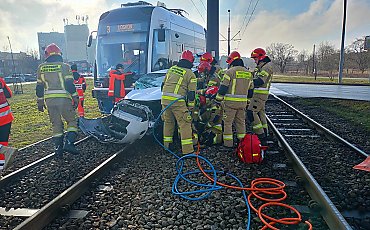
[132, 53]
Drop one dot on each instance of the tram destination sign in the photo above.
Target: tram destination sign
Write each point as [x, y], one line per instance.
[123, 28]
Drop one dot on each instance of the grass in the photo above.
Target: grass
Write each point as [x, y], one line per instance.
[357, 112]
[29, 124]
[311, 79]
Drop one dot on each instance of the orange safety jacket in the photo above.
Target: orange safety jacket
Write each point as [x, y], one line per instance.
[116, 84]
[6, 115]
[80, 85]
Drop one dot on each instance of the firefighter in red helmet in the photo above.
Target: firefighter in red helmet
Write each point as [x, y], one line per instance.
[180, 82]
[262, 77]
[55, 88]
[80, 84]
[6, 118]
[215, 70]
[233, 91]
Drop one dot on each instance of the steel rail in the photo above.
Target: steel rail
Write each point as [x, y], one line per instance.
[330, 213]
[4, 181]
[54, 208]
[322, 128]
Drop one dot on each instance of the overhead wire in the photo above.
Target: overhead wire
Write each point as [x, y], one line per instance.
[198, 11]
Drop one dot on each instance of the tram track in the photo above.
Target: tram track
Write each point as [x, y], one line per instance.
[139, 194]
[32, 187]
[329, 158]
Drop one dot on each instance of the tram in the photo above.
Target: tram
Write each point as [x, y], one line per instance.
[144, 38]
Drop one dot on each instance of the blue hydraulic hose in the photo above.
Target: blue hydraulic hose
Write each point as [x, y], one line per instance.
[208, 188]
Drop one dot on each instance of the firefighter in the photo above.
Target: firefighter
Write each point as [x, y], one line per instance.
[215, 70]
[210, 117]
[116, 83]
[233, 91]
[6, 118]
[211, 78]
[55, 88]
[180, 82]
[80, 84]
[262, 81]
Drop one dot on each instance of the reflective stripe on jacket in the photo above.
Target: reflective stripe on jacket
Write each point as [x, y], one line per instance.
[55, 78]
[238, 80]
[178, 83]
[6, 115]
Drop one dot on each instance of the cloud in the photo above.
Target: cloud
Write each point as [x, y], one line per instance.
[321, 22]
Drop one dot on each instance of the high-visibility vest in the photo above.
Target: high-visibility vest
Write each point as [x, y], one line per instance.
[6, 115]
[116, 84]
[80, 85]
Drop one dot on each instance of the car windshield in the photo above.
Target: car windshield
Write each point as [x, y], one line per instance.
[150, 80]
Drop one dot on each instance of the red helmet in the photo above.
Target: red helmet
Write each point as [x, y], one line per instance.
[258, 53]
[233, 56]
[187, 55]
[203, 67]
[52, 49]
[207, 57]
[211, 91]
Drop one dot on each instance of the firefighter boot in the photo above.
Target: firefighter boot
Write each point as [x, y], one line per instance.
[69, 145]
[58, 141]
[263, 139]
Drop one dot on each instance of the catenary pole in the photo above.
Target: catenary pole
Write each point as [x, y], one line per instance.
[213, 18]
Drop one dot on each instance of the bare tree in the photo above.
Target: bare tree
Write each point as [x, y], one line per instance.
[327, 58]
[356, 53]
[281, 54]
[303, 59]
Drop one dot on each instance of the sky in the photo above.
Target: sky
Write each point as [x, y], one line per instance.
[301, 23]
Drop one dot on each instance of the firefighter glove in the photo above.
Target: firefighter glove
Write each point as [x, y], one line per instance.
[41, 104]
[75, 102]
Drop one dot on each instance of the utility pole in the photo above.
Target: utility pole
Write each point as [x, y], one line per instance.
[314, 70]
[16, 80]
[212, 36]
[228, 37]
[340, 74]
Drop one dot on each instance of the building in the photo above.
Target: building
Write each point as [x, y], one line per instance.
[75, 40]
[47, 38]
[23, 63]
[73, 45]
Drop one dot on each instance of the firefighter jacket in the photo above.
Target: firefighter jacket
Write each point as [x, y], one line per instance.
[6, 115]
[54, 79]
[179, 82]
[80, 84]
[116, 84]
[263, 75]
[235, 84]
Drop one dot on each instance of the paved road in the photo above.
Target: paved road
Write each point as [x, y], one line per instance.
[361, 93]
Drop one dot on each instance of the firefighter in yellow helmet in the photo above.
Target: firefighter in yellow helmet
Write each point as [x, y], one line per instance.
[56, 89]
[262, 80]
[180, 82]
[233, 91]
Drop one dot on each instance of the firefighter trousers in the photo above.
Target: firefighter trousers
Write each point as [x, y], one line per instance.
[4, 133]
[58, 108]
[80, 107]
[178, 112]
[257, 116]
[234, 113]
